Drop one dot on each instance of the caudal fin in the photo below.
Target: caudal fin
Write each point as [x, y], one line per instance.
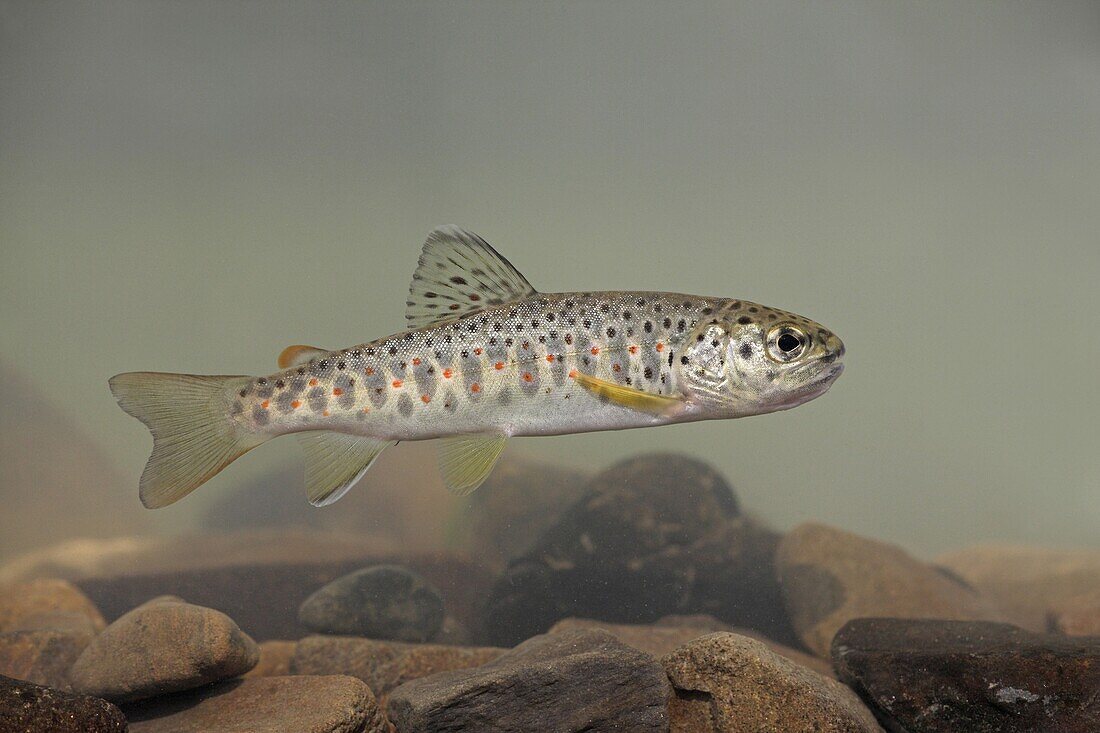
[193, 435]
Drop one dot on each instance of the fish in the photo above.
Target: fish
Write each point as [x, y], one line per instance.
[484, 357]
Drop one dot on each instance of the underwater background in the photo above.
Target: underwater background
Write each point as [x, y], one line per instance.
[192, 187]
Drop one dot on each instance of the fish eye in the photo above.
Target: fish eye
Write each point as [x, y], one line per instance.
[786, 343]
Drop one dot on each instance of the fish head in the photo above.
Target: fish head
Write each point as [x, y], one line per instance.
[753, 359]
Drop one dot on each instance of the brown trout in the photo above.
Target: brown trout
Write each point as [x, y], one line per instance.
[486, 357]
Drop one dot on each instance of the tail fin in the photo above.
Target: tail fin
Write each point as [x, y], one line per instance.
[193, 436]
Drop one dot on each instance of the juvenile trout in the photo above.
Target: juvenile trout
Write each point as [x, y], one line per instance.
[485, 357]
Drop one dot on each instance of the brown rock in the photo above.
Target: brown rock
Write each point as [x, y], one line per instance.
[1078, 616]
[671, 633]
[652, 535]
[275, 656]
[19, 601]
[29, 708]
[43, 656]
[265, 705]
[577, 681]
[161, 648]
[932, 676]
[383, 665]
[1027, 582]
[830, 576]
[71, 621]
[726, 683]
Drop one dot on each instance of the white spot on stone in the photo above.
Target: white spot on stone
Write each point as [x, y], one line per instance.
[1014, 694]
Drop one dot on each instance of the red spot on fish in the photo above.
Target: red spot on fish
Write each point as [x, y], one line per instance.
[425, 399]
[475, 387]
[366, 409]
[526, 345]
[313, 383]
[370, 371]
[550, 357]
[416, 362]
[336, 391]
[617, 368]
[325, 413]
[477, 351]
[475, 296]
[632, 349]
[527, 376]
[447, 373]
[595, 350]
[397, 383]
[453, 306]
[296, 404]
[572, 373]
[499, 365]
[264, 404]
[660, 346]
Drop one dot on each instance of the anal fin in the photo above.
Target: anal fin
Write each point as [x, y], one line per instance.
[635, 399]
[467, 460]
[335, 461]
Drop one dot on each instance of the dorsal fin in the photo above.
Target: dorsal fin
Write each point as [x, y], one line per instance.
[459, 274]
[298, 354]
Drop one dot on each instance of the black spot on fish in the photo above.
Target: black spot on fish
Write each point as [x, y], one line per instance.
[744, 320]
[611, 333]
[681, 325]
[667, 323]
[278, 385]
[648, 326]
[626, 315]
[753, 309]
[746, 350]
[684, 360]
[648, 373]
[458, 280]
[707, 311]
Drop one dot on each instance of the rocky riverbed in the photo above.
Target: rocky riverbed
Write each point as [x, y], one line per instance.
[643, 599]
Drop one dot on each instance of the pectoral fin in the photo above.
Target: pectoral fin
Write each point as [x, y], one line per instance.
[635, 399]
[466, 460]
[335, 461]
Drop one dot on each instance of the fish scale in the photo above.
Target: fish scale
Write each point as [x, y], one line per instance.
[528, 356]
[486, 357]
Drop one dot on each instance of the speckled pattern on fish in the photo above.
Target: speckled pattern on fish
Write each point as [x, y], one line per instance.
[488, 357]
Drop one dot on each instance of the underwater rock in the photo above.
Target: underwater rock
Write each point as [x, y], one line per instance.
[161, 648]
[42, 656]
[275, 656]
[652, 535]
[727, 683]
[830, 576]
[582, 680]
[332, 704]
[18, 601]
[382, 602]
[383, 665]
[930, 676]
[264, 598]
[669, 634]
[1027, 582]
[30, 708]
